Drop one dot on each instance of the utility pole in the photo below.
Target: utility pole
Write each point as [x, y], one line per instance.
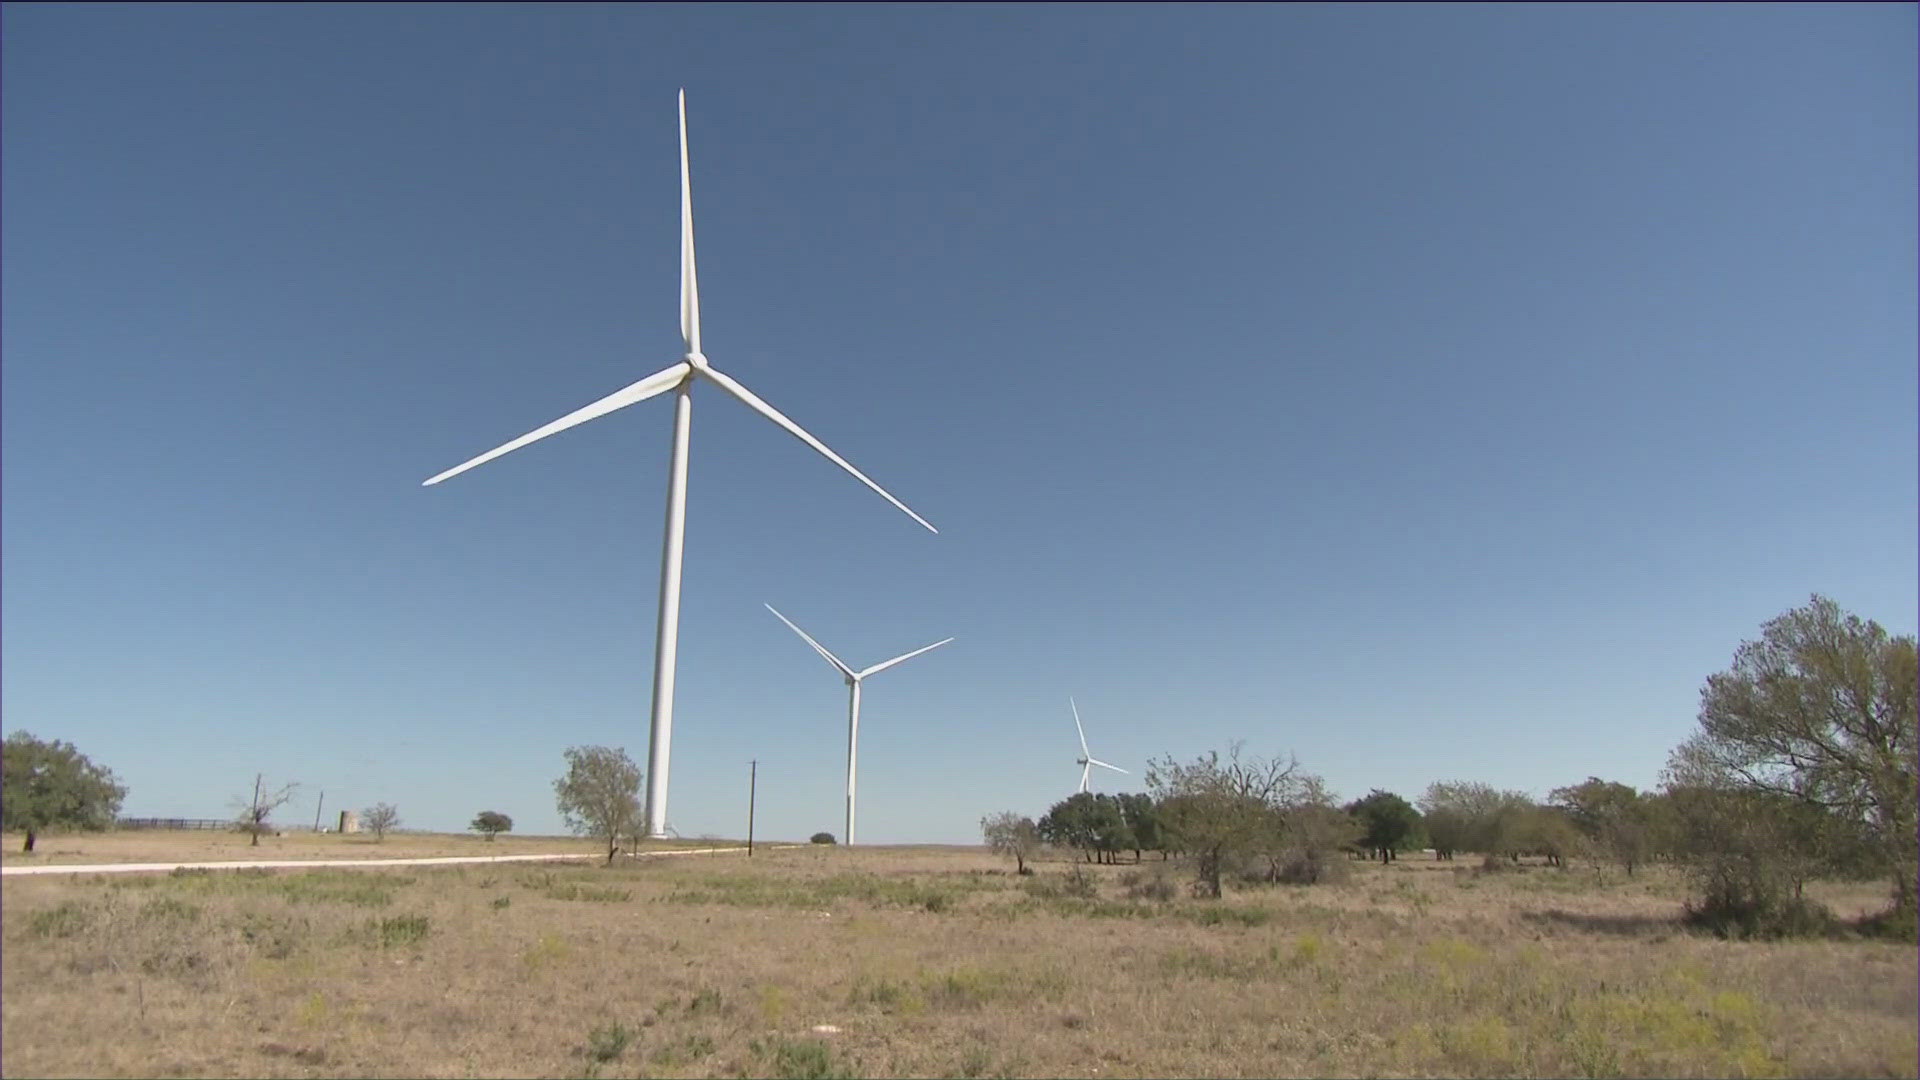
[753, 782]
[316, 809]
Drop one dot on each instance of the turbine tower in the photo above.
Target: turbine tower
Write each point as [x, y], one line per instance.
[680, 378]
[1086, 760]
[854, 678]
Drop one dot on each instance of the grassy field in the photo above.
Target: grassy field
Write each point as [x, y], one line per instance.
[155, 845]
[814, 962]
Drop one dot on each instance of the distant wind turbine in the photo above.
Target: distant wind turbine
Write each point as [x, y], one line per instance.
[680, 378]
[854, 678]
[1086, 760]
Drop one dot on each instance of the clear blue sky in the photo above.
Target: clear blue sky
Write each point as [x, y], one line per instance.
[1434, 393]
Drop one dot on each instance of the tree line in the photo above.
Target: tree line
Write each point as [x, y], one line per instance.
[1803, 766]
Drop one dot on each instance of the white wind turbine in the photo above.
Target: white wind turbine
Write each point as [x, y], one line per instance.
[1086, 760]
[854, 678]
[680, 378]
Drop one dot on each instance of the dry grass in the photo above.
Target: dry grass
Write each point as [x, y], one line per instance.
[928, 962]
[157, 845]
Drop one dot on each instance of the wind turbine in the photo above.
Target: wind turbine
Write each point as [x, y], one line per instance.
[854, 679]
[680, 378]
[1086, 760]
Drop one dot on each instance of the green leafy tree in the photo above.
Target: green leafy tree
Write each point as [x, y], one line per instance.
[1463, 815]
[1143, 822]
[1094, 825]
[600, 795]
[1011, 834]
[491, 823]
[821, 838]
[1821, 710]
[52, 785]
[380, 819]
[1388, 822]
[1310, 836]
[1617, 821]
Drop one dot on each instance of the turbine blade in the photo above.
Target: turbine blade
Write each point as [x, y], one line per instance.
[1104, 765]
[877, 668]
[1076, 724]
[817, 647]
[752, 401]
[656, 383]
[689, 276]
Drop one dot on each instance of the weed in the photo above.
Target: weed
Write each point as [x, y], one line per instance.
[588, 892]
[401, 930]
[500, 903]
[707, 1001]
[773, 1003]
[1215, 914]
[801, 1059]
[892, 997]
[549, 949]
[608, 1041]
[68, 919]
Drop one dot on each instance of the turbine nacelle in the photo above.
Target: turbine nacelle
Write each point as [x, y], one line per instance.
[853, 680]
[1086, 760]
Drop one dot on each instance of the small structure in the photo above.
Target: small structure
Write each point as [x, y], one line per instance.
[349, 821]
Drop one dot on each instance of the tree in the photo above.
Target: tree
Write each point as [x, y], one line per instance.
[1616, 820]
[251, 814]
[1218, 811]
[379, 819]
[51, 785]
[1093, 824]
[820, 838]
[1387, 822]
[600, 795]
[1008, 833]
[491, 823]
[1310, 834]
[1464, 815]
[1143, 821]
[1821, 711]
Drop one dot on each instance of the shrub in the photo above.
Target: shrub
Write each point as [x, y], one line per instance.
[1155, 886]
[821, 838]
[1079, 884]
[1740, 913]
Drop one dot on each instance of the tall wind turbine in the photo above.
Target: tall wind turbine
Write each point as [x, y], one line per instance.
[680, 378]
[854, 679]
[1086, 760]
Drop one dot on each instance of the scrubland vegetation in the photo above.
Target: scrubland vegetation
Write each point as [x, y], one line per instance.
[929, 962]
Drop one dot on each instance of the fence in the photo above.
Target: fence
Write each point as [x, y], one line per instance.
[173, 823]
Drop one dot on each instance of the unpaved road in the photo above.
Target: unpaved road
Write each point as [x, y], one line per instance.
[283, 864]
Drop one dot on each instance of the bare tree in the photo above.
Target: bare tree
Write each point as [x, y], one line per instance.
[1008, 833]
[379, 819]
[253, 813]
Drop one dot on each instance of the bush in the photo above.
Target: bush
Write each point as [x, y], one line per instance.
[1746, 913]
[821, 838]
[1154, 886]
[1313, 868]
[1079, 884]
